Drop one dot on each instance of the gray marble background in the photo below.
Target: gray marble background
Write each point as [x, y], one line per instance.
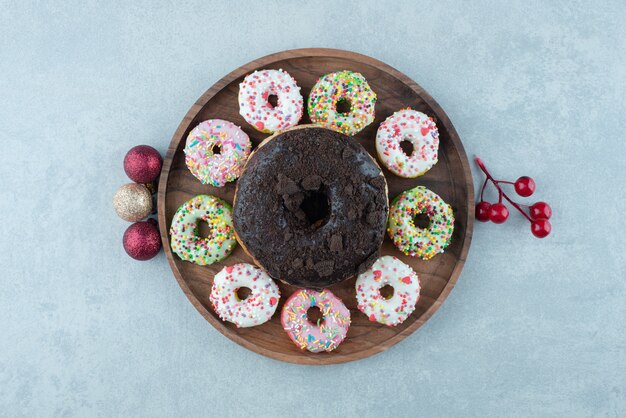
[533, 328]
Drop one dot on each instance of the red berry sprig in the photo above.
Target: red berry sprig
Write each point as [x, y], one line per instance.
[538, 213]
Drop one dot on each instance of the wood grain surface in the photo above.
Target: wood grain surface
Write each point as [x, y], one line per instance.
[450, 178]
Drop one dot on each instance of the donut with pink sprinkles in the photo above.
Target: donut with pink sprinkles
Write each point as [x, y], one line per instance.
[422, 134]
[394, 309]
[255, 107]
[257, 308]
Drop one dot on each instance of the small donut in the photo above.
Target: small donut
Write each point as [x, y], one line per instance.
[415, 127]
[257, 308]
[328, 333]
[345, 86]
[255, 108]
[216, 151]
[184, 230]
[412, 240]
[388, 270]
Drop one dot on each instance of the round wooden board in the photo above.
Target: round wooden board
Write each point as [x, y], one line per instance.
[450, 178]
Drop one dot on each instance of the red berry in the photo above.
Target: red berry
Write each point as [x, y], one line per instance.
[541, 228]
[540, 210]
[498, 213]
[482, 211]
[525, 186]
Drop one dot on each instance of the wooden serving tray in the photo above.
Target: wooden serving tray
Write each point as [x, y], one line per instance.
[450, 178]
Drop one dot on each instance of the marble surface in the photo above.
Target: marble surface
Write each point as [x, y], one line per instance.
[533, 328]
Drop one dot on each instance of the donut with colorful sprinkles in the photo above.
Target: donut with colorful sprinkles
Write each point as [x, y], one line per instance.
[216, 151]
[255, 107]
[392, 310]
[413, 241]
[416, 128]
[329, 331]
[187, 243]
[342, 88]
[255, 309]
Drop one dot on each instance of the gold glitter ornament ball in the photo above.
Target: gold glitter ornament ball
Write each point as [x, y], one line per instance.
[132, 202]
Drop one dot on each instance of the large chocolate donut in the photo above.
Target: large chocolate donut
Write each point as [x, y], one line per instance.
[311, 207]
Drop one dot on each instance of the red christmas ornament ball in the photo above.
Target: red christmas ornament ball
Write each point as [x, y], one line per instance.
[142, 240]
[142, 164]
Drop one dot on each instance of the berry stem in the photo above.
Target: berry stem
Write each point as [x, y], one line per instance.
[482, 191]
[517, 207]
[481, 165]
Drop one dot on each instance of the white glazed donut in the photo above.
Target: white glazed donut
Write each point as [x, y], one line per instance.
[255, 108]
[210, 167]
[257, 308]
[388, 270]
[420, 131]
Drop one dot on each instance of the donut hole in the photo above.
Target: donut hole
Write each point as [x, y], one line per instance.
[314, 315]
[216, 149]
[243, 293]
[407, 147]
[272, 99]
[203, 230]
[316, 207]
[421, 220]
[386, 291]
[343, 106]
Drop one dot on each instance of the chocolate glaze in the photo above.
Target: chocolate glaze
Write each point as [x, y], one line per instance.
[311, 207]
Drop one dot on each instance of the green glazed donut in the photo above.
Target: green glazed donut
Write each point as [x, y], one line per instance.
[413, 241]
[184, 230]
